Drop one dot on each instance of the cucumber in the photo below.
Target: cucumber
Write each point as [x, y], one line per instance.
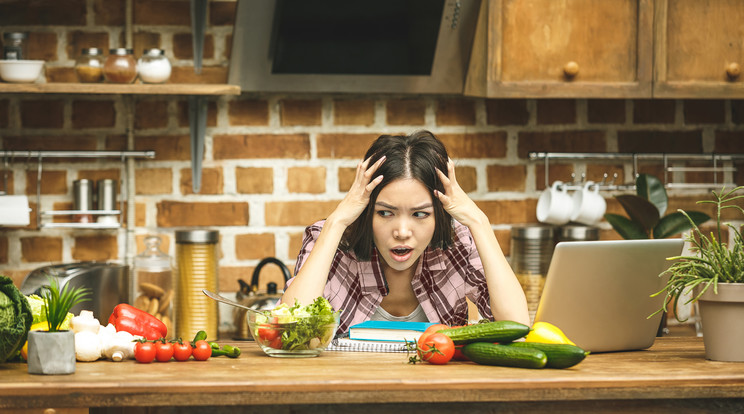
[499, 331]
[487, 353]
[559, 355]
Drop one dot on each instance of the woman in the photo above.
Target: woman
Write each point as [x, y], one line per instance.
[391, 251]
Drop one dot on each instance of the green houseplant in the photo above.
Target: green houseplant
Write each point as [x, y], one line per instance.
[715, 276]
[53, 351]
[646, 210]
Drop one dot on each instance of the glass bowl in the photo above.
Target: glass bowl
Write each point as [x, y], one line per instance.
[292, 336]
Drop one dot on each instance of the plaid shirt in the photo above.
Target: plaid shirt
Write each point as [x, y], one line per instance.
[443, 279]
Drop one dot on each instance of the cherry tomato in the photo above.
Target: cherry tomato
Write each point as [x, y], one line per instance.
[163, 351]
[433, 328]
[202, 351]
[458, 355]
[181, 351]
[436, 348]
[276, 343]
[267, 333]
[144, 352]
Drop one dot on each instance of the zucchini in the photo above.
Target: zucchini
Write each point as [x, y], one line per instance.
[559, 355]
[487, 353]
[499, 331]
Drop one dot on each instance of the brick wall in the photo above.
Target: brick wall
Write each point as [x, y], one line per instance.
[275, 163]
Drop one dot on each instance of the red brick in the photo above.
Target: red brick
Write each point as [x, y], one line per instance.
[150, 114]
[254, 246]
[209, 75]
[254, 180]
[295, 146]
[295, 245]
[178, 214]
[53, 143]
[606, 111]
[42, 114]
[93, 114]
[95, 175]
[52, 182]
[183, 46]
[596, 172]
[60, 75]
[211, 181]
[660, 141]
[4, 108]
[109, 12]
[509, 211]
[183, 113]
[165, 241]
[506, 177]
[161, 13]
[222, 13]
[405, 112]
[504, 239]
[456, 112]
[475, 145]
[467, 178]
[60, 206]
[140, 214]
[41, 249]
[502, 112]
[556, 111]
[145, 40]
[149, 181]
[346, 178]
[306, 180]
[42, 46]
[300, 112]
[297, 213]
[3, 249]
[78, 40]
[43, 13]
[729, 142]
[95, 248]
[561, 141]
[704, 111]
[344, 145]
[653, 111]
[354, 112]
[166, 147]
[557, 172]
[253, 112]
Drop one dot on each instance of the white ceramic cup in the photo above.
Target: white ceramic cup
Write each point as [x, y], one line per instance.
[588, 205]
[554, 205]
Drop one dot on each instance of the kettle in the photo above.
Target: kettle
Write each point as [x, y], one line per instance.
[248, 296]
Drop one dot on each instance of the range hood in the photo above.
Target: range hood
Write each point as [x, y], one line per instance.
[380, 46]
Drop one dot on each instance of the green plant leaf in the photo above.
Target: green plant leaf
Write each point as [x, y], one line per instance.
[640, 211]
[626, 228]
[675, 223]
[652, 189]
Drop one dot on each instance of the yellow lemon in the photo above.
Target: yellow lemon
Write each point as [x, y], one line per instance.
[41, 326]
[547, 333]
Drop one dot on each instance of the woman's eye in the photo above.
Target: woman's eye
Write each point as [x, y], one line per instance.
[384, 213]
[421, 214]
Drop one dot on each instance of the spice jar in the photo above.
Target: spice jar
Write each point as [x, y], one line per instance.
[82, 200]
[14, 47]
[153, 66]
[153, 282]
[89, 66]
[120, 66]
[196, 259]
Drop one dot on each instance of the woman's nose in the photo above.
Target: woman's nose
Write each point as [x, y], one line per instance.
[402, 231]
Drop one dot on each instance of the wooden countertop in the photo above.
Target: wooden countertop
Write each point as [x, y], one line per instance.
[674, 368]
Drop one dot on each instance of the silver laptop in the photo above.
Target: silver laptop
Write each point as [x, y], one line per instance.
[598, 292]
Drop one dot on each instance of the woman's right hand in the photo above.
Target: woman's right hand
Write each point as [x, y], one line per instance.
[357, 199]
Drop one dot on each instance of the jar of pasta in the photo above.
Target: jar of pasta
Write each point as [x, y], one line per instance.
[153, 283]
[197, 263]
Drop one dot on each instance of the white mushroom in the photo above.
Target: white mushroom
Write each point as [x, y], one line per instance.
[85, 322]
[119, 346]
[87, 346]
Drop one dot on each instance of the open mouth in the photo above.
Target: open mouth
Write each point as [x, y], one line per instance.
[401, 254]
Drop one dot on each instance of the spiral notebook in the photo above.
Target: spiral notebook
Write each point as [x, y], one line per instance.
[351, 345]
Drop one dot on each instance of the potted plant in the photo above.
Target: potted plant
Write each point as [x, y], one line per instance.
[53, 351]
[715, 276]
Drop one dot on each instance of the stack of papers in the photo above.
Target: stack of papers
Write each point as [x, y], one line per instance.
[388, 331]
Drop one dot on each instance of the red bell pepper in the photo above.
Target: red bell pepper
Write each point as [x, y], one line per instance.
[137, 322]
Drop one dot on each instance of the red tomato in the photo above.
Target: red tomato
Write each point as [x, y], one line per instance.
[458, 355]
[202, 351]
[276, 343]
[144, 352]
[433, 328]
[267, 333]
[436, 348]
[163, 351]
[182, 351]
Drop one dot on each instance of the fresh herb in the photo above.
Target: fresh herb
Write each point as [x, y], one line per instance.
[60, 301]
[306, 327]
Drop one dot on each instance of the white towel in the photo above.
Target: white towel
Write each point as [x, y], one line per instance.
[14, 210]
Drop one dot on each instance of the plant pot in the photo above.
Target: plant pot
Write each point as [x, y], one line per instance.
[721, 315]
[51, 353]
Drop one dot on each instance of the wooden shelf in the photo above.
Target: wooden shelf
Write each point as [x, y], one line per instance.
[128, 89]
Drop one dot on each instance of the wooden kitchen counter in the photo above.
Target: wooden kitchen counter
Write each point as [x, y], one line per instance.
[673, 374]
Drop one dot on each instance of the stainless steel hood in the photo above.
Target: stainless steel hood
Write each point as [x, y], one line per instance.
[385, 46]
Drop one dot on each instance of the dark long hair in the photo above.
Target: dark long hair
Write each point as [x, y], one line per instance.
[416, 156]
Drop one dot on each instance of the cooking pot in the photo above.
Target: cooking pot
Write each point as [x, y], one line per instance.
[248, 296]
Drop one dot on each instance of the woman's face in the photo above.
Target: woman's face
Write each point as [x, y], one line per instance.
[403, 223]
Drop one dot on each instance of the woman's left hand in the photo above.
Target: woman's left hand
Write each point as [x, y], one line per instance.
[454, 200]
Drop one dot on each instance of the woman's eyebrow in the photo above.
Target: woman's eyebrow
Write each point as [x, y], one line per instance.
[389, 207]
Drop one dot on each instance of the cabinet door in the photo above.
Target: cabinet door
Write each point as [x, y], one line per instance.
[562, 48]
[699, 48]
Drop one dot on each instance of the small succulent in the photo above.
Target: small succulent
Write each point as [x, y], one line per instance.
[646, 213]
[59, 301]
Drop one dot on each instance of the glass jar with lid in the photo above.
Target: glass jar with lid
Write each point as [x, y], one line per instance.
[153, 283]
[14, 46]
[154, 66]
[120, 66]
[89, 65]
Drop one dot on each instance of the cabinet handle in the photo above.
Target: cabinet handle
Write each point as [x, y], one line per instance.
[733, 70]
[571, 69]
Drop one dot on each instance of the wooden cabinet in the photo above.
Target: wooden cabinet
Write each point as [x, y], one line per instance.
[562, 48]
[699, 49]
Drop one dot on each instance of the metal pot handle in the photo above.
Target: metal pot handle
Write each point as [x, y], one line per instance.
[262, 263]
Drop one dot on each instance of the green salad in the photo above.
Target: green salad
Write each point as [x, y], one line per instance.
[297, 327]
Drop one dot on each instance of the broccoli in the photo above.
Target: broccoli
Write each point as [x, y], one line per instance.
[15, 319]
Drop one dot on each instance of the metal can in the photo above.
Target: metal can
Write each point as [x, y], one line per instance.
[197, 266]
